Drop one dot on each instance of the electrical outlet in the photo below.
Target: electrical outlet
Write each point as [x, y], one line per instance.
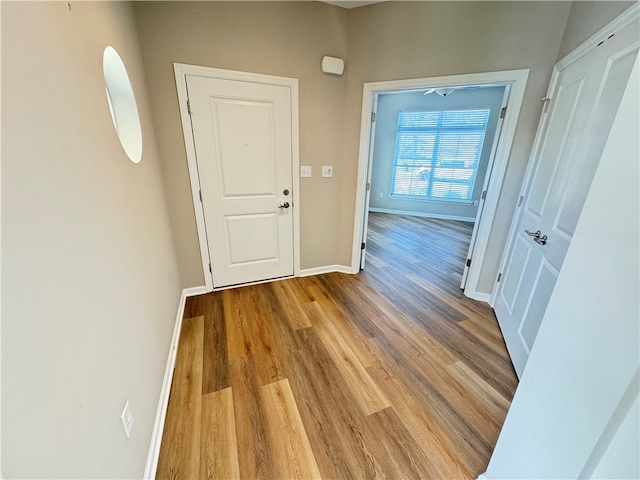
[327, 171]
[381, 195]
[305, 171]
[127, 419]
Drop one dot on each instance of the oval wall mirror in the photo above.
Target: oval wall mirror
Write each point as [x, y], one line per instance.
[122, 104]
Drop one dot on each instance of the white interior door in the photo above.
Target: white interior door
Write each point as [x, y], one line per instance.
[583, 105]
[243, 143]
[485, 186]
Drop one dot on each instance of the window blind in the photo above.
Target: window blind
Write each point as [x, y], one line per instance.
[437, 154]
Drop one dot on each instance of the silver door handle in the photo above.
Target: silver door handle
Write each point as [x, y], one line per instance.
[541, 240]
[285, 205]
[537, 237]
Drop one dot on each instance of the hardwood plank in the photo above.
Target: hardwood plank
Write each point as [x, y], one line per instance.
[270, 366]
[218, 447]
[292, 451]
[459, 413]
[180, 447]
[215, 370]
[256, 325]
[334, 422]
[364, 390]
[450, 414]
[444, 456]
[493, 402]
[256, 456]
[493, 368]
[290, 305]
[484, 332]
[236, 324]
[357, 312]
[351, 335]
[403, 331]
[404, 456]
[458, 301]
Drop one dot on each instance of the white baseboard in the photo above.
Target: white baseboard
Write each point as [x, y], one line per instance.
[481, 297]
[307, 272]
[424, 215]
[161, 413]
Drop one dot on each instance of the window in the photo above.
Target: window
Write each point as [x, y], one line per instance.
[437, 154]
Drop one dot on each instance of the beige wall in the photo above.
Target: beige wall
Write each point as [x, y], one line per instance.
[392, 40]
[282, 38]
[585, 19]
[90, 282]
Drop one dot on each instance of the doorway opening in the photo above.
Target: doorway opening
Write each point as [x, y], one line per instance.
[437, 148]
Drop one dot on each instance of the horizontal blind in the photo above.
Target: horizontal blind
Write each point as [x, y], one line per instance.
[437, 153]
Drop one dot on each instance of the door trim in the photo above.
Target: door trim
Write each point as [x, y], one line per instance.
[617, 24]
[517, 79]
[181, 71]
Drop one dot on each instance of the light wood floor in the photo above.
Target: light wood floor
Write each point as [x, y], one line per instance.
[391, 373]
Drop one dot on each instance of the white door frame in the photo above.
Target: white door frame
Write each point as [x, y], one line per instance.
[627, 17]
[517, 79]
[181, 71]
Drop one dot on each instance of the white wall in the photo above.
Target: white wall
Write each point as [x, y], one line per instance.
[580, 383]
[90, 282]
[389, 106]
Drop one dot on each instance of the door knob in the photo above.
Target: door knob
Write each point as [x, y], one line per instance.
[533, 234]
[285, 205]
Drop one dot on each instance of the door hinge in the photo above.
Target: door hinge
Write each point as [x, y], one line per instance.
[189, 107]
[200, 193]
[499, 277]
[362, 246]
[503, 112]
[368, 186]
[373, 117]
[520, 200]
[484, 195]
[468, 262]
[210, 271]
[546, 101]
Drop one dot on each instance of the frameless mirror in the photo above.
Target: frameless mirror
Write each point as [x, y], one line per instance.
[122, 104]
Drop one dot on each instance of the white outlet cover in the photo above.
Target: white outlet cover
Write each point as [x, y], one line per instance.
[127, 419]
[327, 171]
[305, 171]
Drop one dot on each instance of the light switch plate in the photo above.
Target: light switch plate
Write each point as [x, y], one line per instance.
[305, 171]
[327, 171]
